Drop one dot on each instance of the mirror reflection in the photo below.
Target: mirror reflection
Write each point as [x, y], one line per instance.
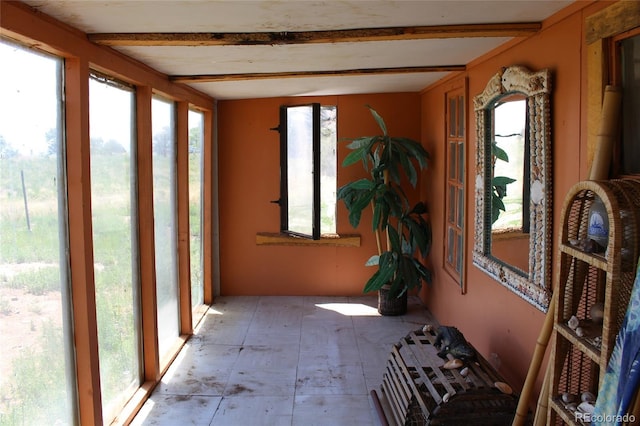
[510, 182]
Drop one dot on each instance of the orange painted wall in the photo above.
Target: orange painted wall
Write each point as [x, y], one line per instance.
[249, 178]
[493, 318]
[514, 251]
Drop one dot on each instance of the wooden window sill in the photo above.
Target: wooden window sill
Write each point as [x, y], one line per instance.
[509, 235]
[278, 239]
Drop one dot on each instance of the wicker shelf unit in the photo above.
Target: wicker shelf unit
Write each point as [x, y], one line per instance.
[580, 357]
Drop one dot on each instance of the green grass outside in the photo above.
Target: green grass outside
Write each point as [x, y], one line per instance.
[38, 394]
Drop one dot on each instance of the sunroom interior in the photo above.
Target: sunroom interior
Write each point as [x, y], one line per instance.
[141, 166]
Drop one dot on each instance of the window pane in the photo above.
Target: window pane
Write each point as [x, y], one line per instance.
[114, 240]
[452, 117]
[460, 165]
[36, 382]
[451, 217]
[196, 136]
[300, 168]
[461, 116]
[452, 160]
[450, 246]
[631, 105]
[164, 215]
[328, 169]
[459, 254]
[460, 208]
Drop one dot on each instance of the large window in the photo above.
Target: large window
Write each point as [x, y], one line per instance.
[165, 223]
[196, 139]
[308, 170]
[454, 231]
[37, 382]
[77, 296]
[113, 205]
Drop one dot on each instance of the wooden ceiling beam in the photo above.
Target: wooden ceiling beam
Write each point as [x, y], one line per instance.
[310, 37]
[213, 78]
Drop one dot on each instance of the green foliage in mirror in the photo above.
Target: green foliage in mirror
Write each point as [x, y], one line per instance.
[498, 183]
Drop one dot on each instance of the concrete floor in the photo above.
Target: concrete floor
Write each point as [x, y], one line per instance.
[281, 361]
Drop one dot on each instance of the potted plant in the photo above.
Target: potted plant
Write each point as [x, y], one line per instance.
[390, 163]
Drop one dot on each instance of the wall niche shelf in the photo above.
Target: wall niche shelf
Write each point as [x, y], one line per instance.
[590, 275]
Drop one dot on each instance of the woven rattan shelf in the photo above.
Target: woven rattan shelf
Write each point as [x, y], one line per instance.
[583, 279]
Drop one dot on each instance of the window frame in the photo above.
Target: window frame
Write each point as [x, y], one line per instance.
[455, 132]
[70, 380]
[600, 28]
[284, 173]
[197, 307]
[166, 347]
[111, 412]
[284, 237]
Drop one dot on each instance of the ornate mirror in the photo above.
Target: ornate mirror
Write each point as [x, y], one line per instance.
[513, 183]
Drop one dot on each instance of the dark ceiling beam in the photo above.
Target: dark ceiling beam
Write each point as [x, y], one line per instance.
[213, 78]
[308, 37]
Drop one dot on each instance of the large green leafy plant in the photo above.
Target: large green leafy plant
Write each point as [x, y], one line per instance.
[390, 163]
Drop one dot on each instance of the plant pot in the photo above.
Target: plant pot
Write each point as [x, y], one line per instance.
[391, 306]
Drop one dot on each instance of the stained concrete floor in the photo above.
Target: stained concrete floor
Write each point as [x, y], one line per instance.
[281, 361]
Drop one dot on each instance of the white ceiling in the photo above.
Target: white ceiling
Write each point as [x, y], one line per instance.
[228, 16]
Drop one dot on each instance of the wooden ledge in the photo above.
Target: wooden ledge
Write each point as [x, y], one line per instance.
[278, 239]
[509, 235]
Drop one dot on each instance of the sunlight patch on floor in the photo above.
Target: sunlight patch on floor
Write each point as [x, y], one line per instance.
[350, 309]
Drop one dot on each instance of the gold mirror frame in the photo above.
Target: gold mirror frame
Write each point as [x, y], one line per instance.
[534, 286]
